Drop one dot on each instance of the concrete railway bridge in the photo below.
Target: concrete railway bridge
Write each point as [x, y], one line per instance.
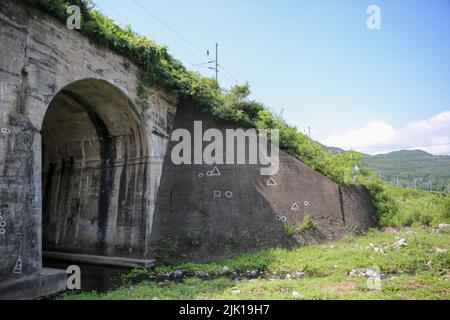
[85, 174]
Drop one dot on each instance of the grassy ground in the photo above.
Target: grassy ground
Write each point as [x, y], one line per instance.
[422, 262]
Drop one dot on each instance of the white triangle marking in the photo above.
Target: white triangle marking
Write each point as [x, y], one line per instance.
[271, 182]
[295, 206]
[215, 172]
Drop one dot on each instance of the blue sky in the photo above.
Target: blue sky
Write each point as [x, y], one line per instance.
[375, 91]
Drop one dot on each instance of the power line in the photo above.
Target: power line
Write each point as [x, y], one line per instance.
[193, 45]
[229, 74]
[187, 41]
[146, 21]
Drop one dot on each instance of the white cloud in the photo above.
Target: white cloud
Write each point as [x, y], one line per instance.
[431, 135]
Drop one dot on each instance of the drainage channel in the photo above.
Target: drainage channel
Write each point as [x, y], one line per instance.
[93, 277]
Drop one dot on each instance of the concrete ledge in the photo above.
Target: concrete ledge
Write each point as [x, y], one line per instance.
[99, 260]
[46, 283]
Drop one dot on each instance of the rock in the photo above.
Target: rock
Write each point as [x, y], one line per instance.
[253, 273]
[391, 230]
[296, 295]
[201, 274]
[439, 250]
[446, 277]
[443, 227]
[358, 272]
[226, 270]
[288, 276]
[298, 274]
[178, 273]
[399, 244]
[444, 271]
[371, 272]
[241, 279]
[376, 247]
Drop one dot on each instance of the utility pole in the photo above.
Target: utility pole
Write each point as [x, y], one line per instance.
[397, 180]
[217, 62]
[309, 132]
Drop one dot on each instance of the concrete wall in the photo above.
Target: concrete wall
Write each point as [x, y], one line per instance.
[42, 63]
[192, 223]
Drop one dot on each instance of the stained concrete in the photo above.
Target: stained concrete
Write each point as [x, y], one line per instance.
[73, 130]
[193, 222]
[98, 260]
[85, 167]
[45, 283]
[95, 175]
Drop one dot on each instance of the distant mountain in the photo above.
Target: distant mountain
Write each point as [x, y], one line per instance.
[413, 168]
[332, 149]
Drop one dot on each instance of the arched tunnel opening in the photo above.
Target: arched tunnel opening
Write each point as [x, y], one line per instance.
[94, 173]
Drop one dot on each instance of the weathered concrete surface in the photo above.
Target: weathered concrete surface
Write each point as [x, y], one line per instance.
[99, 260]
[192, 223]
[83, 144]
[43, 284]
[77, 140]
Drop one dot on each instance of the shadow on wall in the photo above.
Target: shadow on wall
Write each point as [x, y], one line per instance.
[203, 217]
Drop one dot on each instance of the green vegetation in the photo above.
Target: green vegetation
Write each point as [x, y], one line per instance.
[289, 229]
[419, 269]
[233, 106]
[167, 248]
[306, 225]
[193, 238]
[142, 93]
[228, 239]
[417, 207]
[413, 168]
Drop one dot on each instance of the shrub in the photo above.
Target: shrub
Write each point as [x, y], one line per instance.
[289, 229]
[306, 225]
[193, 238]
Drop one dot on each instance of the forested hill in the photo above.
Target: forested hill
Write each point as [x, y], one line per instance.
[414, 168]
